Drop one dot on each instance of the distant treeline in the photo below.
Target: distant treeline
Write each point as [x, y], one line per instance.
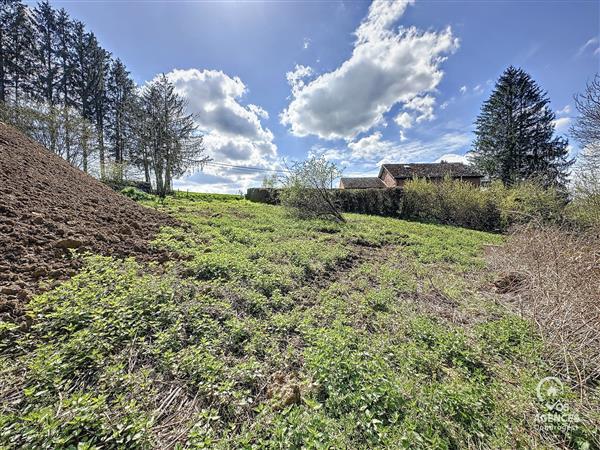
[59, 86]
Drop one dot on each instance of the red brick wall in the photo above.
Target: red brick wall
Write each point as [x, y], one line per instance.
[388, 179]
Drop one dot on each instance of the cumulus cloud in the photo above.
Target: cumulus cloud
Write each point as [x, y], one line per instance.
[388, 66]
[233, 131]
[423, 106]
[296, 77]
[404, 120]
[374, 150]
[562, 123]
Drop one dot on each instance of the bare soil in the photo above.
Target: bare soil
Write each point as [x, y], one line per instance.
[48, 209]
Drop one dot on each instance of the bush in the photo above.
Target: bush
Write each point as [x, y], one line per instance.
[494, 208]
[308, 190]
[452, 202]
[136, 194]
[527, 201]
[584, 211]
[558, 292]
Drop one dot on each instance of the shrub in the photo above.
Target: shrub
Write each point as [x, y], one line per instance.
[527, 201]
[136, 194]
[308, 190]
[559, 293]
[452, 202]
[494, 208]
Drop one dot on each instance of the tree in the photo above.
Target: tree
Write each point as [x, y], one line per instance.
[99, 63]
[17, 38]
[46, 52]
[59, 126]
[586, 129]
[120, 96]
[66, 83]
[174, 143]
[515, 134]
[308, 188]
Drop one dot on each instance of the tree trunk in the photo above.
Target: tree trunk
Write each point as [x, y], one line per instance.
[101, 153]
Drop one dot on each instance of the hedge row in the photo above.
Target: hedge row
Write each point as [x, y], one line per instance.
[381, 202]
[451, 202]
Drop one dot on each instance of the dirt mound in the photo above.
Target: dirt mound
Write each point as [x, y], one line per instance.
[47, 208]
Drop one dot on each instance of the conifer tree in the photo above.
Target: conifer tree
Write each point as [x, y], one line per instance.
[174, 143]
[120, 93]
[17, 38]
[47, 66]
[515, 134]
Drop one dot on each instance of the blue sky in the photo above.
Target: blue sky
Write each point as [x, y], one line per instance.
[362, 84]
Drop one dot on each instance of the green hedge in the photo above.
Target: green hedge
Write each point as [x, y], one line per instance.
[381, 202]
[452, 202]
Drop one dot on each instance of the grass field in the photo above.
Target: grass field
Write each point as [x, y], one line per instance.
[271, 332]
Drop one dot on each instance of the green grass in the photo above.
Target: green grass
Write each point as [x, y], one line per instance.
[277, 333]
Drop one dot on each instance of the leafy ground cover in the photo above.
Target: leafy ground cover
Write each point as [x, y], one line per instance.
[271, 332]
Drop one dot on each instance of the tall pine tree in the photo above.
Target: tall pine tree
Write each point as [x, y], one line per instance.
[515, 134]
[47, 65]
[120, 93]
[17, 45]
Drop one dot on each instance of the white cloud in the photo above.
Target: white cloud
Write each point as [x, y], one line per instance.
[306, 43]
[463, 89]
[233, 132]
[478, 89]
[591, 43]
[565, 110]
[562, 123]
[404, 120]
[374, 150]
[296, 77]
[423, 106]
[387, 67]
[453, 157]
[258, 111]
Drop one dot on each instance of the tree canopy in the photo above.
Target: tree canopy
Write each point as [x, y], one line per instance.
[515, 134]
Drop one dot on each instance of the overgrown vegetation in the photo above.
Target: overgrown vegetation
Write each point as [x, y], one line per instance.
[308, 188]
[280, 333]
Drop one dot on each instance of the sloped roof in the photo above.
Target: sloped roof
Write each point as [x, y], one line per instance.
[362, 183]
[430, 170]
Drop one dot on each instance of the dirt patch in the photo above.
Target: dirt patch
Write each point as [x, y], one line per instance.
[49, 209]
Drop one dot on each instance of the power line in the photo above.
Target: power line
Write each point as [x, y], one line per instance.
[233, 166]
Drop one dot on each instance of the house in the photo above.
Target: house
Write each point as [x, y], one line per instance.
[395, 175]
[361, 183]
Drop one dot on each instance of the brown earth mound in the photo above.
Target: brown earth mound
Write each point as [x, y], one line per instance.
[47, 208]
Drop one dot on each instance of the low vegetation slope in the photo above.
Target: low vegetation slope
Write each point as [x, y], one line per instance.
[47, 208]
[272, 332]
